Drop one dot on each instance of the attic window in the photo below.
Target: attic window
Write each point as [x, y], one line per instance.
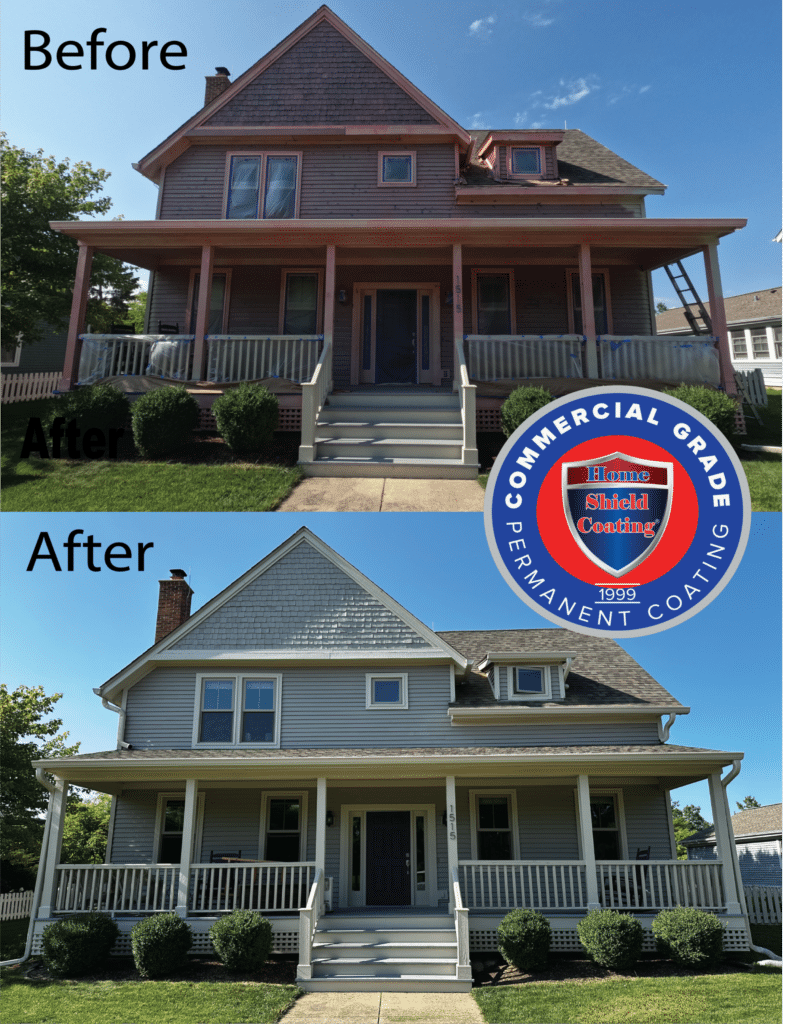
[532, 682]
[387, 690]
[526, 161]
[396, 169]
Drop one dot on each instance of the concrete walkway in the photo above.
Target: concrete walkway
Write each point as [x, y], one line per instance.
[384, 1008]
[390, 494]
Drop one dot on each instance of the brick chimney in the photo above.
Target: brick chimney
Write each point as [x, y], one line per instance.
[216, 84]
[174, 604]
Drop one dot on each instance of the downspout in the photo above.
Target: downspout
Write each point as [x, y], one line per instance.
[664, 730]
[40, 875]
[732, 774]
[121, 725]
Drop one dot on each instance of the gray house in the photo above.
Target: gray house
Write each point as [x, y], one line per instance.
[758, 835]
[304, 746]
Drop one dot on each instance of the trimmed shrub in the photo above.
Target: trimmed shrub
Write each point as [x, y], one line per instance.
[94, 405]
[162, 421]
[160, 945]
[521, 404]
[690, 937]
[242, 940]
[610, 939]
[717, 406]
[524, 938]
[76, 945]
[247, 417]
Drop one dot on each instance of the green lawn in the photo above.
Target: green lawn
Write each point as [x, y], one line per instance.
[142, 1002]
[751, 998]
[210, 480]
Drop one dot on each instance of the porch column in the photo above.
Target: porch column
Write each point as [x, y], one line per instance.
[588, 309]
[203, 311]
[321, 823]
[452, 835]
[54, 830]
[329, 302]
[587, 844]
[188, 843]
[718, 315]
[78, 317]
[725, 843]
[469, 444]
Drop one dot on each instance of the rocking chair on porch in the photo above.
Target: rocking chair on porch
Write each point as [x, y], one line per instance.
[627, 891]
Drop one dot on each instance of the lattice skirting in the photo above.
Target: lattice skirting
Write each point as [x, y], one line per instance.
[566, 940]
[290, 419]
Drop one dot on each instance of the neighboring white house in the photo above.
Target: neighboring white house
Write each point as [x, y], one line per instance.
[755, 327]
[758, 839]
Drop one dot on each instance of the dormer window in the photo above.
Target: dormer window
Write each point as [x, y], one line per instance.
[263, 186]
[396, 169]
[532, 682]
[526, 161]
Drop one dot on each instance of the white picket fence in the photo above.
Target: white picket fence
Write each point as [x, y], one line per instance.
[753, 386]
[764, 903]
[25, 387]
[15, 904]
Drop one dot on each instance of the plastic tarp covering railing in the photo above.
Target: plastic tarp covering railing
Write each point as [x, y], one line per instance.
[689, 360]
[256, 357]
[524, 357]
[133, 355]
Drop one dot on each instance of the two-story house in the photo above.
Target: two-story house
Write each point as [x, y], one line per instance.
[324, 227]
[384, 794]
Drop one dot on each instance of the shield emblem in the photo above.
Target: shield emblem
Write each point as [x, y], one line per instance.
[617, 507]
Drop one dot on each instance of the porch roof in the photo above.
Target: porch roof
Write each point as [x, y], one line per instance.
[642, 241]
[678, 765]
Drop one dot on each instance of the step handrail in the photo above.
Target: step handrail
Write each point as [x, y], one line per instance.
[309, 917]
[463, 970]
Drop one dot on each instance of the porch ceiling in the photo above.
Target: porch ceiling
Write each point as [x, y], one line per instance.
[645, 242]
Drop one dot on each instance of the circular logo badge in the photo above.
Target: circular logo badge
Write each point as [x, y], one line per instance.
[617, 511]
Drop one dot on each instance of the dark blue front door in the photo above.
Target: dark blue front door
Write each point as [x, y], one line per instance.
[395, 325]
[388, 859]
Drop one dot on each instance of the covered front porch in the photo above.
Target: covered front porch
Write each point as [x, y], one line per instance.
[463, 303]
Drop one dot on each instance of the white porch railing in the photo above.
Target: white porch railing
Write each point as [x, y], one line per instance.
[134, 355]
[537, 885]
[236, 357]
[217, 888]
[764, 903]
[16, 904]
[524, 356]
[469, 444]
[308, 920]
[314, 395]
[661, 884]
[126, 888]
[687, 359]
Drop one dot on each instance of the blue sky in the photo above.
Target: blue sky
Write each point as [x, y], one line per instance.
[69, 632]
[689, 92]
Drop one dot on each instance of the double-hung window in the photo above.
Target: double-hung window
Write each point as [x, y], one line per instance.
[171, 826]
[263, 186]
[301, 302]
[493, 310]
[600, 304]
[493, 818]
[242, 708]
[760, 343]
[606, 832]
[738, 339]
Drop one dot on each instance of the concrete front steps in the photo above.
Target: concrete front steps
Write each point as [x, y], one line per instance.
[403, 434]
[389, 953]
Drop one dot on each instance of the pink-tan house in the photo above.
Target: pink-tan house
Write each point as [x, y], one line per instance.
[323, 226]
[384, 794]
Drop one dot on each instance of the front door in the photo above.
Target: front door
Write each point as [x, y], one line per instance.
[388, 858]
[396, 320]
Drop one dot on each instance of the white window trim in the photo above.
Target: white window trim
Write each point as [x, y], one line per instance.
[400, 705]
[271, 794]
[474, 274]
[396, 152]
[569, 272]
[319, 295]
[15, 359]
[474, 794]
[519, 695]
[237, 700]
[737, 335]
[188, 313]
[162, 799]
[620, 815]
[519, 175]
[263, 154]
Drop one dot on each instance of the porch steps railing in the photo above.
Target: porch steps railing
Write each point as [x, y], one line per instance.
[764, 903]
[395, 951]
[25, 387]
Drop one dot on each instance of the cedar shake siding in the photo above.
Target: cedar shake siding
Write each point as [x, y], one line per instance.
[323, 79]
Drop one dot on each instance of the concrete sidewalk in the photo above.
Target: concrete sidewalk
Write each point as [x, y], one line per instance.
[384, 1008]
[383, 494]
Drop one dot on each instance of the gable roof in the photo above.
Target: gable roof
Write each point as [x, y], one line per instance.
[292, 606]
[755, 821]
[751, 306]
[374, 93]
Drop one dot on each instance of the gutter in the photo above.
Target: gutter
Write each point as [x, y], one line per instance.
[40, 874]
[121, 725]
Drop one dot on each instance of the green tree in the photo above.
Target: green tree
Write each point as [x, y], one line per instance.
[38, 264]
[747, 803]
[136, 312]
[661, 307]
[687, 820]
[26, 735]
[86, 827]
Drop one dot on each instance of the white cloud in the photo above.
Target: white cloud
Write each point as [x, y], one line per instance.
[577, 89]
[482, 27]
[538, 20]
[479, 120]
[643, 88]
[521, 118]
